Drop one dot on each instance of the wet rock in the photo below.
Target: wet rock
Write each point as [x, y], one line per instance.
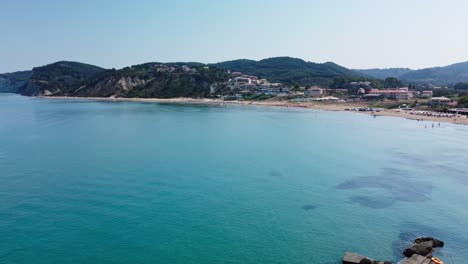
[423, 246]
[424, 249]
[353, 258]
[416, 259]
[435, 242]
[366, 261]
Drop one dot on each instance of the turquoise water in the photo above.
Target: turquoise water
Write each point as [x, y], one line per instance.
[104, 182]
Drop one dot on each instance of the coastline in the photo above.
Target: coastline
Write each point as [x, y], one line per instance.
[324, 106]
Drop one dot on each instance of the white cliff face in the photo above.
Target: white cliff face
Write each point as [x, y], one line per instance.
[111, 86]
[129, 83]
[47, 92]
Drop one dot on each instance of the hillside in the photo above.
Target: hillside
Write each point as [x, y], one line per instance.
[163, 80]
[290, 70]
[150, 80]
[385, 73]
[440, 75]
[13, 82]
[53, 78]
[446, 75]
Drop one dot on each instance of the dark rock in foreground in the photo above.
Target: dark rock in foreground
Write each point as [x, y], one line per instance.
[423, 246]
[417, 259]
[353, 258]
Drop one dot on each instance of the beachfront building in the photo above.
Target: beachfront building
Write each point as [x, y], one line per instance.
[426, 94]
[397, 94]
[271, 88]
[314, 91]
[246, 84]
[365, 83]
[440, 101]
[328, 99]
[336, 91]
[459, 111]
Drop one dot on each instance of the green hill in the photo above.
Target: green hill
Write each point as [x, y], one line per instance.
[13, 82]
[161, 80]
[150, 80]
[53, 78]
[291, 70]
[439, 75]
[446, 75]
[385, 73]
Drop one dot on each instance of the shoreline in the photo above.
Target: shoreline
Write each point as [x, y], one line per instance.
[324, 106]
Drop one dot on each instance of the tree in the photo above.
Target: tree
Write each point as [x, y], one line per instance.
[441, 92]
[392, 82]
[461, 86]
[463, 101]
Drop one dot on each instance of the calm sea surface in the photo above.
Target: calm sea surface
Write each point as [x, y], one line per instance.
[122, 182]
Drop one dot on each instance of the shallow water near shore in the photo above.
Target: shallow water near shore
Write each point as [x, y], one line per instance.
[124, 182]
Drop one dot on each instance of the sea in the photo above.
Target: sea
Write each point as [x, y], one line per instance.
[86, 181]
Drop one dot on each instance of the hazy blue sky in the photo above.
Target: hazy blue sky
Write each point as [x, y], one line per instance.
[116, 33]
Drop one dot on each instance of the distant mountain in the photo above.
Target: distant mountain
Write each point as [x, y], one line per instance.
[385, 73]
[290, 70]
[447, 75]
[13, 82]
[440, 75]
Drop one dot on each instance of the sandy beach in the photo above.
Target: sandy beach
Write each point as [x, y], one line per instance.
[325, 106]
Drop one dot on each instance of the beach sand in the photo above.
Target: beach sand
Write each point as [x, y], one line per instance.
[326, 106]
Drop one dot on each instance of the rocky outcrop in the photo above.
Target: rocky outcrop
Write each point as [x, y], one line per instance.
[110, 86]
[419, 253]
[423, 246]
[128, 83]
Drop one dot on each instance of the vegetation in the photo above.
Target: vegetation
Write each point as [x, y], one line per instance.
[463, 99]
[293, 71]
[461, 86]
[147, 81]
[392, 82]
[385, 73]
[443, 92]
[167, 80]
[438, 75]
[58, 76]
[13, 82]
[17, 76]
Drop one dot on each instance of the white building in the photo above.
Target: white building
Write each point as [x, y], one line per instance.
[440, 101]
[314, 91]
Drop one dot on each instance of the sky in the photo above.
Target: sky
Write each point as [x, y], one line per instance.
[116, 33]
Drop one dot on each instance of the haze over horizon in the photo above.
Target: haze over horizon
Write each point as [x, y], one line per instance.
[113, 34]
